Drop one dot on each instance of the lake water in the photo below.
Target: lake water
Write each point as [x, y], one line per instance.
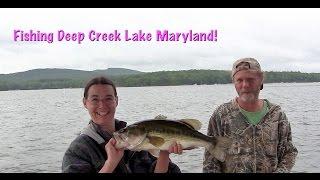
[37, 126]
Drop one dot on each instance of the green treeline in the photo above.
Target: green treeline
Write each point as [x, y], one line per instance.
[275, 77]
[171, 78]
[41, 84]
[161, 78]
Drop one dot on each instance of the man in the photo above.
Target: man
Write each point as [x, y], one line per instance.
[260, 130]
[94, 151]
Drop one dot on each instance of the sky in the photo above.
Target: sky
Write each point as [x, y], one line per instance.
[280, 39]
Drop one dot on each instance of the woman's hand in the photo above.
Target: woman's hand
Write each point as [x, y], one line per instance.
[163, 159]
[114, 157]
[175, 148]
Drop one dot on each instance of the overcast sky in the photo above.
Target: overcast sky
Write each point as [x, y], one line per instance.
[281, 39]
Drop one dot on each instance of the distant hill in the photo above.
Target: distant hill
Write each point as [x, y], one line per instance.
[56, 78]
[69, 78]
[38, 74]
[117, 72]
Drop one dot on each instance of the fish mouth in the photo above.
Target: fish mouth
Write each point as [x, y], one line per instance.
[120, 142]
[117, 136]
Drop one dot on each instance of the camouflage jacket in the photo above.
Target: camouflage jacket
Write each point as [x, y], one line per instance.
[265, 147]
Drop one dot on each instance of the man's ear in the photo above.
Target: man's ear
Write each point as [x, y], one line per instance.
[117, 101]
[261, 87]
[84, 103]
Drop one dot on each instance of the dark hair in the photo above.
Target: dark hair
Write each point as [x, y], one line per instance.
[99, 80]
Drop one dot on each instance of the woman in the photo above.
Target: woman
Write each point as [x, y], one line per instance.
[94, 149]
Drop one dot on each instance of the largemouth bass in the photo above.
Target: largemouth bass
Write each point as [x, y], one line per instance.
[155, 135]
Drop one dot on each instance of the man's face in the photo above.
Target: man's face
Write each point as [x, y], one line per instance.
[247, 84]
[101, 103]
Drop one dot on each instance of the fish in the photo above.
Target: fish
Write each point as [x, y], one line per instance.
[154, 135]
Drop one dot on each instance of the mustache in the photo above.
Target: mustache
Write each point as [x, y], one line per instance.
[247, 92]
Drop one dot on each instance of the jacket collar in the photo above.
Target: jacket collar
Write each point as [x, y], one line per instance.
[270, 105]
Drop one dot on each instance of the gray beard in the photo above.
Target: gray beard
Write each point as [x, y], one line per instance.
[249, 98]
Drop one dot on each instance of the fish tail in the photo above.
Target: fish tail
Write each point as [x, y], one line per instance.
[219, 146]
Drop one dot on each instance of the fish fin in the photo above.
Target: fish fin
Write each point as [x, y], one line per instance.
[223, 142]
[156, 141]
[154, 152]
[138, 143]
[194, 123]
[218, 153]
[220, 148]
[160, 117]
[139, 146]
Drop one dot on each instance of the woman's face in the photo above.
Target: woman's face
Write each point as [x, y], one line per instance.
[101, 103]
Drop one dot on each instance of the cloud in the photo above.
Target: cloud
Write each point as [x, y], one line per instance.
[282, 39]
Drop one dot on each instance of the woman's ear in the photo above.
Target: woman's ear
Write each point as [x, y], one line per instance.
[117, 101]
[84, 103]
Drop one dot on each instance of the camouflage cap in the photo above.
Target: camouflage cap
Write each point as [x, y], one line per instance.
[245, 64]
